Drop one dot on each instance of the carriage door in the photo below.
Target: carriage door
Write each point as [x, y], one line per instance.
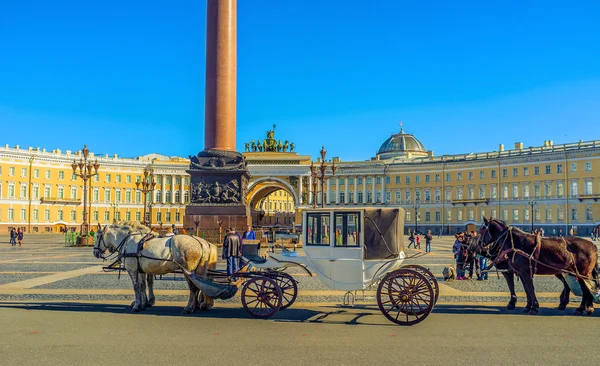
[347, 251]
[318, 235]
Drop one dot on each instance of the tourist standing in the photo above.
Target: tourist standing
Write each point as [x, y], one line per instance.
[428, 239]
[232, 251]
[456, 249]
[20, 236]
[13, 237]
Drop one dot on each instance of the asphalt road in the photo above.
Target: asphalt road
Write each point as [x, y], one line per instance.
[105, 334]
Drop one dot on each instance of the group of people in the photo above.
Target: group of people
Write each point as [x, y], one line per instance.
[468, 261]
[414, 239]
[232, 248]
[16, 236]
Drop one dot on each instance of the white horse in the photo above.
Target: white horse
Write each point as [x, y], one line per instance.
[157, 256]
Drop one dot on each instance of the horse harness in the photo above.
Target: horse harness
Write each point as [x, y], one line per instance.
[138, 253]
[533, 257]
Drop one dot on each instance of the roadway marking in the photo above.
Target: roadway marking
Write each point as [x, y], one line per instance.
[45, 257]
[39, 281]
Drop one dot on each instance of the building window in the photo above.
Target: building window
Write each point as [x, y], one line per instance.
[398, 196]
[573, 167]
[61, 175]
[504, 173]
[536, 213]
[515, 172]
[168, 216]
[548, 189]
[24, 172]
[177, 197]
[187, 196]
[573, 189]
[515, 191]
[515, 215]
[168, 180]
[427, 217]
[525, 190]
[350, 198]
[494, 191]
[36, 173]
[427, 178]
[127, 216]
[168, 196]
[448, 215]
[407, 216]
[459, 215]
[177, 216]
[560, 189]
[481, 174]
[73, 195]
[158, 196]
[505, 191]
[448, 194]
[95, 214]
[548, 171]
[397, 179]
[470, 175]
[369, 197]
[437, 178]
[406, 196]
[471, 214]
[107, 195]
[60, 215]
[35, 214]
[588, 214]
[559, 213]
[574, 214]
[459, 176]
[360, 180]
[138, 216]
[369, 180]
[11, 214]
[128, 179]
[481, 191]
[342, 197]
[47, 215]
[559, 168]
[493, 174]
[377, 180]
[388, 196]
[118, 178]
[548, 214]
[447, 177]
[588, 187]
[23, 214]
[437, 216]
[178, 180]
[23, 192]
[73, 215]
[106, 216]
[378, 196]
[387, 180]
[471, 192]
[427, 195]
[46, 192]
[107, 178]
[418, 179]
[407, 179]
[360, 196]
[437, 195]
[459, 193]
[526, 171]
[536, 170]
[61, 192]
[588, 167]
[526, 215]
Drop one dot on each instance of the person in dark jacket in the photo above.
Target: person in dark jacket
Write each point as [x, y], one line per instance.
[232, 251]
[428, 239]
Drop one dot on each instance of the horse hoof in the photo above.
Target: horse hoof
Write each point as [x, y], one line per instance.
[510, 306]
[589, 312]
[151, 303]
[532, 312]
[135, 309]
[578, 312]
[526, 310]
[562, 307]
[187, 311]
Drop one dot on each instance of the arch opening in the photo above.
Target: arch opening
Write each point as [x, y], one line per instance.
[272, 203]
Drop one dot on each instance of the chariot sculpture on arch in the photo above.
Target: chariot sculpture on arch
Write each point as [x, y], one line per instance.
[270, 144]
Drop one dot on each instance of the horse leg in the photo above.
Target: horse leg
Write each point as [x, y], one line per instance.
[564, 295]
[587, 299]
[151, 298]
[531, 298]
[206, 302]
[193, 298]
[135, 305]
[510, 281]
[143, 296]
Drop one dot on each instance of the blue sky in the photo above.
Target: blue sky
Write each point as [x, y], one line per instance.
[464, 76]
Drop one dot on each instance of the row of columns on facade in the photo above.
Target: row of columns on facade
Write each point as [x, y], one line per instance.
[336, 199]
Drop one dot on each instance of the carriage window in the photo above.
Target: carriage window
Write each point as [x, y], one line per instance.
[347, 230]
[317, 229]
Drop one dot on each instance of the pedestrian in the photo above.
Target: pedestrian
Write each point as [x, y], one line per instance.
[571, 232]
[174, 230]
[411, 239]
[456, 249]
[13, 237]
[560, 233]
[20, 236]
[418, 238]
[232, 251]
[250, 235]
[554, 232]
[440, 233]
[428, 239]
[169, 233]
[541, 232]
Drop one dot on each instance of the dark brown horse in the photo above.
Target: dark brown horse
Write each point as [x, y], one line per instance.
[526, 254]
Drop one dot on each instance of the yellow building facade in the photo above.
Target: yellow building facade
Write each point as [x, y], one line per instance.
[39, 193]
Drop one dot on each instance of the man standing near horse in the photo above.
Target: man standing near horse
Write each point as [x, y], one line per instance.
[232, 251]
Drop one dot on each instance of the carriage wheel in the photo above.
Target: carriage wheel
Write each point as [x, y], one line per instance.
[288, 286]
[405, 297]
[261, 297]
[430, 277]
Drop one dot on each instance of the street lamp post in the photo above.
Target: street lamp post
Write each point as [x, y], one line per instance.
[316, 177]
[532, 204]
[115, 207]
[146, 186]
[30, 188]
[85, 170]
[416, 206]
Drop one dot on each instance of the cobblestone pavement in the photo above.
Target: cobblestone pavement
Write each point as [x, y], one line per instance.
[43, 269]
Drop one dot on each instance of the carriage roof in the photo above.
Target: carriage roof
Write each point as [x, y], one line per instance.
[382, 228]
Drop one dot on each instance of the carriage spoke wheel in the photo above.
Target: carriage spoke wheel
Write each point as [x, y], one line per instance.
[405, 297]
[288, 286]
[261, 297]
[430, 277]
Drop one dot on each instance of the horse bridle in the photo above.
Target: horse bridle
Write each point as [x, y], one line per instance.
[112, 250]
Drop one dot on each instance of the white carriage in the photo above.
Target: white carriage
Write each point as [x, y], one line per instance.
[348, 249]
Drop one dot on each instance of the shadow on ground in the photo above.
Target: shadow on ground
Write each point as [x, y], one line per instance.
[357, 315]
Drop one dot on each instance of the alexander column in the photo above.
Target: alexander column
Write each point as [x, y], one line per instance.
[218, 174]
